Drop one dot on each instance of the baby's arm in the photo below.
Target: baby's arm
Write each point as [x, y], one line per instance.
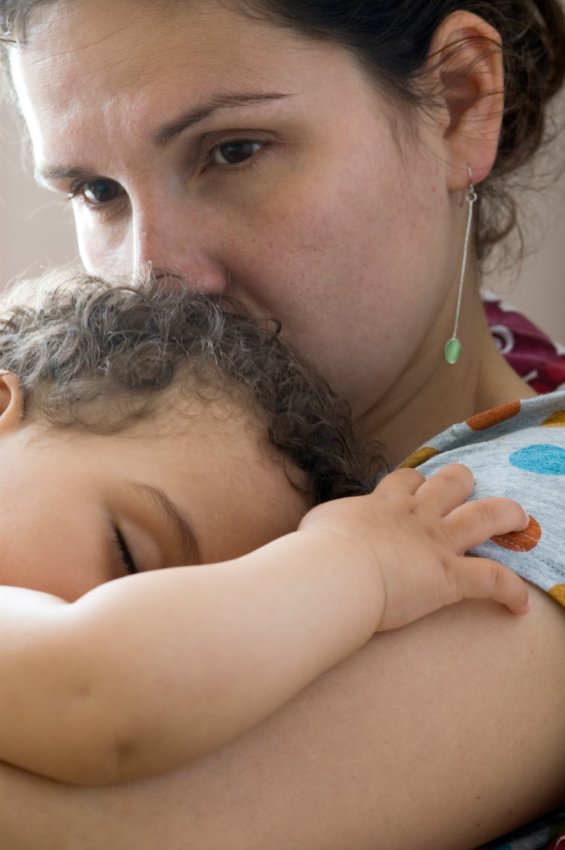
[145, 673]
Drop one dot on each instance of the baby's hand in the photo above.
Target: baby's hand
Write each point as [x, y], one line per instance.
[415, 531]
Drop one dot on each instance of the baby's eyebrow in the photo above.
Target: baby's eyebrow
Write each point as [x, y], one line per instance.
[174, 516]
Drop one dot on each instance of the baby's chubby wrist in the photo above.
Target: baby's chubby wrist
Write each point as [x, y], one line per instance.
[332, 538]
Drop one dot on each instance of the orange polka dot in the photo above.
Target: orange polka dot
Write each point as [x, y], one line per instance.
[419, 457]
[493, 417]
[521, 541]
[558, 593]
[556, 421]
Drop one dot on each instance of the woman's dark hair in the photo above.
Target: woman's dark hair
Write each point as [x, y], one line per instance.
[392, 39]
[98, 357]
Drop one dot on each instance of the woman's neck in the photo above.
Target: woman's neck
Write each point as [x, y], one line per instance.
[429, 398]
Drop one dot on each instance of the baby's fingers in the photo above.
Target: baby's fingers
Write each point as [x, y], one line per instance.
[475, 522]
[481, 578]
[400, 482]
[447, 488]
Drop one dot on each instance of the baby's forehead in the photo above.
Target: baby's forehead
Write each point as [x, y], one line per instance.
[217, 407]
[188, 418]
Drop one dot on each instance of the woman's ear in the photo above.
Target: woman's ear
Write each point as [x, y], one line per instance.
[466, 59]
[11, 401]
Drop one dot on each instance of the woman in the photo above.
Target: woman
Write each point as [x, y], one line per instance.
[320, 161]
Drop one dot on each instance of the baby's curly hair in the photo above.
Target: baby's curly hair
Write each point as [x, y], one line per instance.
[97, 356]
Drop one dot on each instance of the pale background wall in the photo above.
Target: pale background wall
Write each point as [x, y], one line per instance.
[35, 228]
[36, 231]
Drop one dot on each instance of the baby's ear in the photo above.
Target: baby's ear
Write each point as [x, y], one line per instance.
[11, 400]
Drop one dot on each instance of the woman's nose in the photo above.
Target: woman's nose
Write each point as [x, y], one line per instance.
[172, 248]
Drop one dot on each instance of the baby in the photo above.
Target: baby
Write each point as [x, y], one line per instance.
[148, 429]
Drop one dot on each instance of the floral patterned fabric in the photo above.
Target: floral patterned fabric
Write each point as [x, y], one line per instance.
[530, 352]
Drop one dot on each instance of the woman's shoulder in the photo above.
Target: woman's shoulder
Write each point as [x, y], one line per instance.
[501, 425]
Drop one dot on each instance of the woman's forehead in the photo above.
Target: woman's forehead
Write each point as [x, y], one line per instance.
[122, 48]
[86, 31]
[101, 64]
[92, 34]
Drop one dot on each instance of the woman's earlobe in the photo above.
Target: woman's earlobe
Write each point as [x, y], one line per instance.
[11, 400]
[467, 60]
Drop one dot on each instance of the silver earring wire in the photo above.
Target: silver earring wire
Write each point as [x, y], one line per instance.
[453, 348]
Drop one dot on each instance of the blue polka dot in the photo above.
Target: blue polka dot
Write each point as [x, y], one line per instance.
[544, 460]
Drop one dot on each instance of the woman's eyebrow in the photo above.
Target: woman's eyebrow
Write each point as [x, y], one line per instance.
[199, 113]
[174, 517]
[49, 174]
[165, 134]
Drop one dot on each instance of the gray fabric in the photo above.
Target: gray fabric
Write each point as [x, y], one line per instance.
[523, 458]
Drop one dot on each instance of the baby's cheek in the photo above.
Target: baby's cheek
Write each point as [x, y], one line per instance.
[63, 576]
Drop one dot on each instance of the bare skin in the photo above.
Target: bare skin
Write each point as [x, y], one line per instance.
[213, 665]
[430, 736]
[413, 741]
[331, 168]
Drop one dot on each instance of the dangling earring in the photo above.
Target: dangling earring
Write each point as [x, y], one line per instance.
[453, 347]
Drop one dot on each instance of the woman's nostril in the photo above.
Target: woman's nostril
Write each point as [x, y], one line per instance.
[170, 280]
[208, 280]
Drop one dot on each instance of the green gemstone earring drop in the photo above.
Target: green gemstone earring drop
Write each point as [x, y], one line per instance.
[453, 348]
[452, 351]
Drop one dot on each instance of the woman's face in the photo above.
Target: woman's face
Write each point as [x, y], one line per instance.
[249, 160]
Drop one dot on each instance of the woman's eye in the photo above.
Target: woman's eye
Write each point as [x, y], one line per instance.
[232, 153]
[98, 192]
